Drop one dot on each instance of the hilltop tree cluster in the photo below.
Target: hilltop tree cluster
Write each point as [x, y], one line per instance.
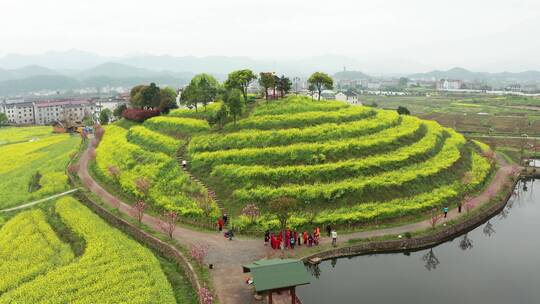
[203, 89]
[153, 97]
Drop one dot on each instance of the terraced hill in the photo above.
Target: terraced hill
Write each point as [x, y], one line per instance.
[345, 164]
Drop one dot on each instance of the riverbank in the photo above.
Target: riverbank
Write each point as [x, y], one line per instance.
[421, 235]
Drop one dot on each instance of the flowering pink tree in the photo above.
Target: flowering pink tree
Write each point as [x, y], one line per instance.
[468, 207]
[73, 169]
[435, 217]
[205, 295]
[490, 155]
[114, 171]
[138, 210]
[252, 212]
[168, 222]
[143, 185]
[199, 252]
[92, 153]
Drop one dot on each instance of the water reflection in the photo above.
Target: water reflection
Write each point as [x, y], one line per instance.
[488, 229]
[315, 270]
[431, 260]
[465, 242]
[494, 263]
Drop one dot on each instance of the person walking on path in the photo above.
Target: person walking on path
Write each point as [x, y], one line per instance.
[328, 229]
[225, 218]
[334, 237]
[305, 237]
[220, 224]
[266, 237]
[445, 210]
[184, 163]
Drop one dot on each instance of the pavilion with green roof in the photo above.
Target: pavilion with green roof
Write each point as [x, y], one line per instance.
[277, 275]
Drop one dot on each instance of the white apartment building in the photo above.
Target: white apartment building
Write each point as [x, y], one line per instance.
[18, 112]
[47, 112]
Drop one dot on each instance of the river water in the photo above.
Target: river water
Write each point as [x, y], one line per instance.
[498, 262]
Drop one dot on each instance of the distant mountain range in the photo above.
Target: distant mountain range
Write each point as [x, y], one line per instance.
[77, 69]
[37, 78]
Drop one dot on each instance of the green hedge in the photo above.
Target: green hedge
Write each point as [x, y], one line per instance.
[266, 138]
[297, 104]
[312, 153]
[249, 176]
[417, 175]
[154, 141]
[176, 126]
[301, 120]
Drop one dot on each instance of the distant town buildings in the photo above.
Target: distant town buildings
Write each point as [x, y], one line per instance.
[448, 84]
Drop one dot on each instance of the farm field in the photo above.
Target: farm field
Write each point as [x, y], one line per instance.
[477, 114]
[33, 163]
[343, 164]
[64, 253]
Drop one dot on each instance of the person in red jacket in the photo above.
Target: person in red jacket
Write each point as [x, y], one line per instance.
[220, 224]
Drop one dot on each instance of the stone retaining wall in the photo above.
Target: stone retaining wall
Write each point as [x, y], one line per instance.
[418, 243]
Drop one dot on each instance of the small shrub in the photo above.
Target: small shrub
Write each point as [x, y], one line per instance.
[139, 115]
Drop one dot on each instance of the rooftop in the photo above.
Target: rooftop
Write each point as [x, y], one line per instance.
[51, 103]
[277, 274]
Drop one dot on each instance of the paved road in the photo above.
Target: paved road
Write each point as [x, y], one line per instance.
[40, 201]
[228, 256]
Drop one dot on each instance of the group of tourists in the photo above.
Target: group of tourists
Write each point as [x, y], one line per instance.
[288, 239]
[222, 221]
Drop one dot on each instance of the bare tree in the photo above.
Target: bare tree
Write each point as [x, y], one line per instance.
[435, 217]
[143, 186]
[468, 207]
[138, 210]
[206, 205]
[168, 222]
[114, 171]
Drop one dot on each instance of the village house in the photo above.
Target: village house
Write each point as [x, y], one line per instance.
[349, 96]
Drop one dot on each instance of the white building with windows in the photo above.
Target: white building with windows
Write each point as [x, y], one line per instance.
[350, 97]
[18, 111]
[47, 112]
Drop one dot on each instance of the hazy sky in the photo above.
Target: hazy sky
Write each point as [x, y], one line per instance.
[478, 34]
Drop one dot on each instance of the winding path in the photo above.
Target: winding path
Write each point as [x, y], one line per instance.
[228, 256]
[39, 201]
